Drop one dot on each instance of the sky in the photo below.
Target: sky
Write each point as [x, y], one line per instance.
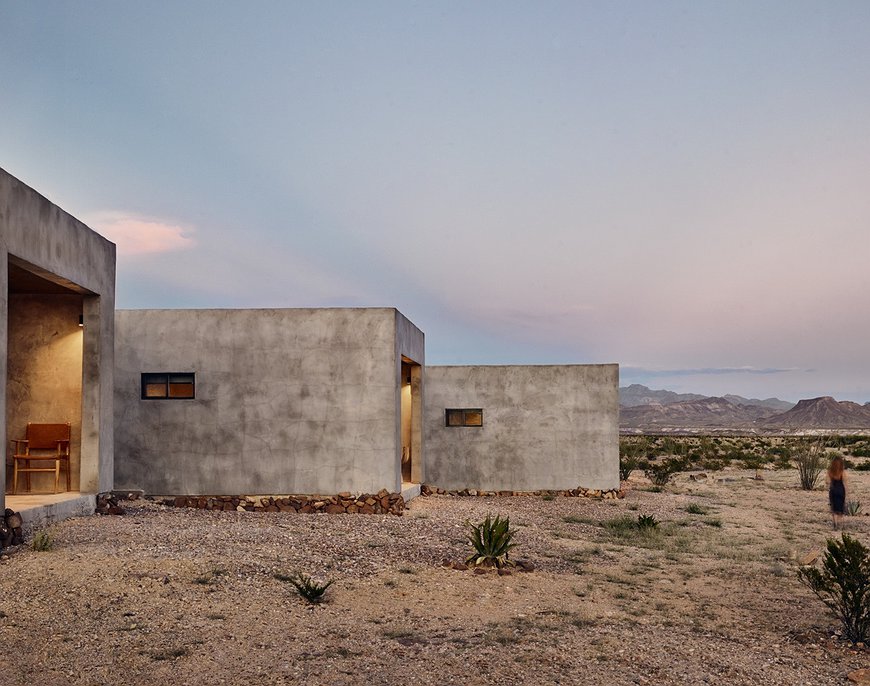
[679, 187]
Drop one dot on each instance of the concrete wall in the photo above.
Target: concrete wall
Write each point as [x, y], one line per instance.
[287, 401]
[40, 237]
[544, 427]
[45, 373]
[410, 345]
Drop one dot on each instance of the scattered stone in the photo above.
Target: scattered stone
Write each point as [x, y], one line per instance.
[860, 676]
[108, 504]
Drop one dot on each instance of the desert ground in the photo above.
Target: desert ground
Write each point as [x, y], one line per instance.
[178, 596]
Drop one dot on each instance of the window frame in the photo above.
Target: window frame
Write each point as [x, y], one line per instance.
[153, 378]
[463, 413]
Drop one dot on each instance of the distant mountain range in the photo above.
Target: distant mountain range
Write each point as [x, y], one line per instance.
[645, 410]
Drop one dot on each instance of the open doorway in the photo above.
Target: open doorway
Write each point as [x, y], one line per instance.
[412, 424]
[44, 368]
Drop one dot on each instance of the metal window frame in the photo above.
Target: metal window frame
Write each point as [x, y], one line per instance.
[148, 378]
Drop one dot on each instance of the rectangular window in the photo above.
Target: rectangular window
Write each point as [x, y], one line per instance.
[167, 385]
[463, 417]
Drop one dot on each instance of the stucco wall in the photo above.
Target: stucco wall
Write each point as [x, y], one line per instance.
[44, 239]
[544, 427]
[287, 401]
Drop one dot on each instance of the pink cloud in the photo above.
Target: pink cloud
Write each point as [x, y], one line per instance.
[141, 235]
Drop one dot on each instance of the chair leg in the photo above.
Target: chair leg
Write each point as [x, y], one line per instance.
[15, 477]
[56, 474]
[68, 481]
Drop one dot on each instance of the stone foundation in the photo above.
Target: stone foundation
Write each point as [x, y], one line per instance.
[382, 502]
[611, 494]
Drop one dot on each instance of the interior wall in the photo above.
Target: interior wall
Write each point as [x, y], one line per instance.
[44, 374]
[406, 408]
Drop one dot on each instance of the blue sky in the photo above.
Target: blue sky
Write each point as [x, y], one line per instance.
[680, 187]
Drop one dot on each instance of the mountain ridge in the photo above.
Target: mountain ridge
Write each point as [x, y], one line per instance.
[654, 413]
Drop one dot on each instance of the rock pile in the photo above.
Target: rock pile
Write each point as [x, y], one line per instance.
[382, 502]
[11, 531]
[109, 504]
[612, 494]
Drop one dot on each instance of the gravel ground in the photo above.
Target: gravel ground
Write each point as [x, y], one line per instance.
[163, 595]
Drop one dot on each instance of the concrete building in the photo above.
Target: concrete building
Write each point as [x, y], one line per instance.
[268, 401]
[55, 274]
[522, 428]
[278, 401]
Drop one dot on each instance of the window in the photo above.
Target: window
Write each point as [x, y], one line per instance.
[463, 417]
[167, 385]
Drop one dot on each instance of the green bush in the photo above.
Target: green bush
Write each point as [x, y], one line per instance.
[660, 474]
[43, 541]
[853, 507]
[627, 465]
[843, 584]
[863, 467]
[492, 542]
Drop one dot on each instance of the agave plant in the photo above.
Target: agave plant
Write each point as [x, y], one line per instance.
[646, 522]
[491, 541]
[307, 587]
[853, 507]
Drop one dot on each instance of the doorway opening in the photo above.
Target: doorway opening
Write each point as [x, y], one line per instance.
[411, 421]
[45, 343]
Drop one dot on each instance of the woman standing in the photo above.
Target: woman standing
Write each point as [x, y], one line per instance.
[837, 490]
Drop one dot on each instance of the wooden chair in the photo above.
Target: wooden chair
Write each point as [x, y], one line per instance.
[44, 443]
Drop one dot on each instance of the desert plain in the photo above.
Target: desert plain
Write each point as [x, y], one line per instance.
[163, 595]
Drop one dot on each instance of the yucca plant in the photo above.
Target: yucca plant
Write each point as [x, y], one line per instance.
[313, 591]
[853, 507]
[491, 541]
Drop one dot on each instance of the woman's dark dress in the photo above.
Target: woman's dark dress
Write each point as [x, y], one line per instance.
[837, 496]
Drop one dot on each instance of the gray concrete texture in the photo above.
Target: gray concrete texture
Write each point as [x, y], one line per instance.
[39, 238]
[287, 400]
[544, 427]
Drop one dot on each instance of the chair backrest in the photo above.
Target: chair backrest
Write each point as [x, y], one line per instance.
[46, 436]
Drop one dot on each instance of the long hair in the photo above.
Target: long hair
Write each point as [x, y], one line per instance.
[836, 469]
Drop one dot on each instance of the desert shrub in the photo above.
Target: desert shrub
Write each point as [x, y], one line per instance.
[811, 462]
[646, 522]
[694, 508]
[863, 467]
[43, 541]
[492, 542]
[627, 464]
[860, 452]
[631, 454]
[843, 584]
[782, 462]
[620, 526]
[660, 474]
[752, 462]
[712, 465]
[313, 591]
[853, 507]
